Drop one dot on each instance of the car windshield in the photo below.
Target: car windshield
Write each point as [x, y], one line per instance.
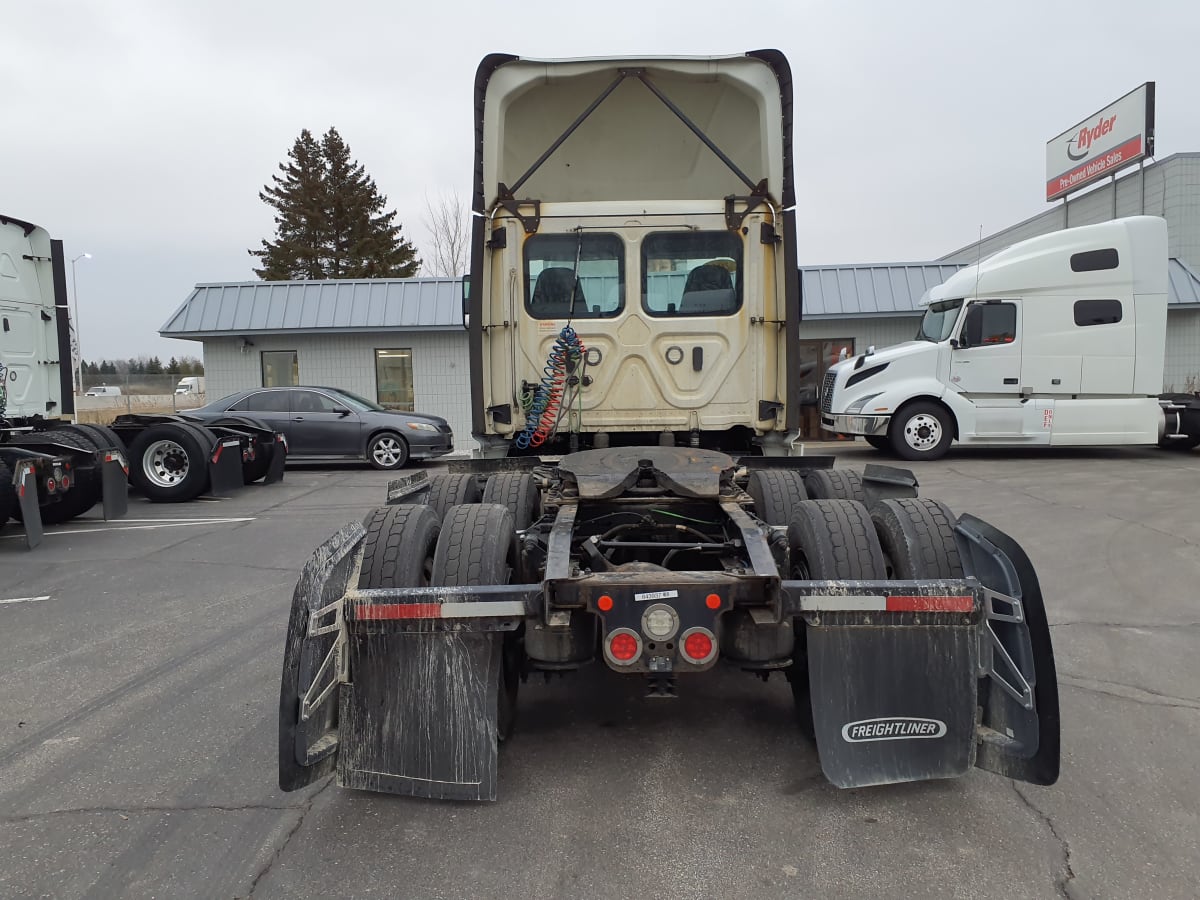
[357, 403]
[939, 320]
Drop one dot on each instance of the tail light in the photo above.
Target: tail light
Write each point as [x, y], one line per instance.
[623, 647]
[64, 482]
[51, 484]
[699, 646]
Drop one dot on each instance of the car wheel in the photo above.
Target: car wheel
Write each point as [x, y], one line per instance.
[387, 451]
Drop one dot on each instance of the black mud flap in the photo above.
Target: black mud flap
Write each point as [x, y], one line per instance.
[225, 467]
[420, 718]
[887, 483]
[1018, 687]
[25, 481]
[412, 487]
[893, 702]
[313, 661]
[114, 487]
[278, 451]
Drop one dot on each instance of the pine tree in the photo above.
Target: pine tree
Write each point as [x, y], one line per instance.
[154, 366]
[330, 219]
[173, 367]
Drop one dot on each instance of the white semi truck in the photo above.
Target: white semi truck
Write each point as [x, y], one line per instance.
[1055, 341]
[634, 303]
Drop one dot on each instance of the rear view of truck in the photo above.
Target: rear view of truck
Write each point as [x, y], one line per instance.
[637, 309]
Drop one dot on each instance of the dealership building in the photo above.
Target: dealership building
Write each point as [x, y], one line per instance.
[401, 342]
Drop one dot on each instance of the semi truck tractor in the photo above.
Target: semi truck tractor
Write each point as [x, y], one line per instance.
[633, 310]
[1056, 341]
[75, 466]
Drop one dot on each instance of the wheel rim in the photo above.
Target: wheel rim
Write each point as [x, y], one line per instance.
[165, 464]
[388, 452]
[923, 432]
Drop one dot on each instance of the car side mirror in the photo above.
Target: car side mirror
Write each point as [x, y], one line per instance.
[341, 412]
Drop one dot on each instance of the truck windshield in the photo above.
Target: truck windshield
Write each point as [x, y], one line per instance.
[598, 288]
[939, 320]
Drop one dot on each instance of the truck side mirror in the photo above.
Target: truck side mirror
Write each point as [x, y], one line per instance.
[972, 330]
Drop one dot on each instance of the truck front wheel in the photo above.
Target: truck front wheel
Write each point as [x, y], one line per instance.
[921, 430]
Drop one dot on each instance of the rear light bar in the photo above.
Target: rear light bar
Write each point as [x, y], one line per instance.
[964, 603]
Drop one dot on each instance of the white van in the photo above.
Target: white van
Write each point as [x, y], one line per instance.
[103, 390]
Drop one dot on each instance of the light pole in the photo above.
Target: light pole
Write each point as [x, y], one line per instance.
[78, 362]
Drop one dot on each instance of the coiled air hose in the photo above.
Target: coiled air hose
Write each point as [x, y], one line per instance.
[544, 405]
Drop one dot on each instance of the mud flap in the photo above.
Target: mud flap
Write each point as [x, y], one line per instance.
[278, 461]
[893, 702]
[887, 483]
[1018, 688]
[420, 718]
[114, 487]
[225, 467]
[25, 481]
[313, 661]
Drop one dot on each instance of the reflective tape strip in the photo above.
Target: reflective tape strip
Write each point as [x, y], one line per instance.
[833, 603]
[497, 609]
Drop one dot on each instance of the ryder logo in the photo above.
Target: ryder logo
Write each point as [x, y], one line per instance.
[1089, 136]
[892, 728]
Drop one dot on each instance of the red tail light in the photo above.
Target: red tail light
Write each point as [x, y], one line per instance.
[64, 482]
[698, 645]
[50, 485]
[623, 647]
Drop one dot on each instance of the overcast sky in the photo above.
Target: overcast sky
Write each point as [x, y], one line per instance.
[141, 131]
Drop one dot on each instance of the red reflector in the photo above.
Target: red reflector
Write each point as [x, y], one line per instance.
[931, 604]
[605, 603]
[623, 646]
[217, 453]
[381, 611]
[697, 646]
[713, 601]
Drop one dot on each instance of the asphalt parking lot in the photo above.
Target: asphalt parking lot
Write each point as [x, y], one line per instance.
[139, 688]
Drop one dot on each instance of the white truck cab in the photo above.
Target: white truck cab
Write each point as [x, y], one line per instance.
[1057, 340]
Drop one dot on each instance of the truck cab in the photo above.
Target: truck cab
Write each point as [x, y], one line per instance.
[1058, 340]
[633, 261]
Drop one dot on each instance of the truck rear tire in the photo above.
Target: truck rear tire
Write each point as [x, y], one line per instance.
[519, 492]
[917, 536]
[478, 546]
[835, 484]
[398, 550]
[84, 492]
[169, 463]
[776, 493]
[921, 430]
[446, 491]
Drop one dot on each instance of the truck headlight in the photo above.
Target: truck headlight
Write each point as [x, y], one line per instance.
[422, 426]
[856, 407]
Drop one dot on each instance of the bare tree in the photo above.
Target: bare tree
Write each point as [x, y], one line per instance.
[448, 222]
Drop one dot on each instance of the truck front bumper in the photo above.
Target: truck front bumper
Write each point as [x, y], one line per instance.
[869, 425]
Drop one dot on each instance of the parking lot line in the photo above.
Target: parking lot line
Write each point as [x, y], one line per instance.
[24, 599]
[158, 523]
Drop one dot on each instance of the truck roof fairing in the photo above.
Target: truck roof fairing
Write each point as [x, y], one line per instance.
[741, 103]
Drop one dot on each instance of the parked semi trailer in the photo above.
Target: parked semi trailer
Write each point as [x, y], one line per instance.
[634, 302]
[1056, 341]
[76, 466]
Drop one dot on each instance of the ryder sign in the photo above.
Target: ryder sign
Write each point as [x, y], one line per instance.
[1100, 145]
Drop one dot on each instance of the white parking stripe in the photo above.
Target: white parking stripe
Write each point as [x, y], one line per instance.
[24, 599]
[159, 523]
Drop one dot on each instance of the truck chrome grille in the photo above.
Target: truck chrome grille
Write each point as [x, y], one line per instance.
[827, 392]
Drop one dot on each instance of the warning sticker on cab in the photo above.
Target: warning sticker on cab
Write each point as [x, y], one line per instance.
[655, 595]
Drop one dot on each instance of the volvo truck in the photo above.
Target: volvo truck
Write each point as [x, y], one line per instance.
[634, 304]
[1058, 341]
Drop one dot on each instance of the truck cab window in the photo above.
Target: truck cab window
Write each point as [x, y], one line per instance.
[939, 320]
[556, 289]
[692, 273]
[988, 324]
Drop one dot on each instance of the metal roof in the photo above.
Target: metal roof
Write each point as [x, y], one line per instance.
[434, 304]
[838, 292]
[285, 307]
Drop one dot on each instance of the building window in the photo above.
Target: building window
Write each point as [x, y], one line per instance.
[394, 378]
[280, 368]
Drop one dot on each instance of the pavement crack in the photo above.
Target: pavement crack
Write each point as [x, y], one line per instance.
[134, 810]
[1063, 883]
[287, 838]
[1131, 692]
